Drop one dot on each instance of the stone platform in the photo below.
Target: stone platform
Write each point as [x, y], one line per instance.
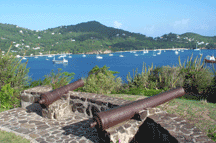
[67, 120]
[160, 127]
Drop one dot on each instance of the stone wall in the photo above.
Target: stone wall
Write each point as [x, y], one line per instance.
[86, 104]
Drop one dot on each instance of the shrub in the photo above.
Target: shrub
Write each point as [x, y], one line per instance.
[196, 76]
[7, 99]
[139, 80]
[59, 79]
[101, 80]
[170, 77]
[13, 72]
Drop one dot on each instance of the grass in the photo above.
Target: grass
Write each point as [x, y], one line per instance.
[7, 137]
[200, 113]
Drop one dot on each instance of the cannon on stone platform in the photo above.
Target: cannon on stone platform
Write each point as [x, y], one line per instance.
[50, 97]
[111, 117]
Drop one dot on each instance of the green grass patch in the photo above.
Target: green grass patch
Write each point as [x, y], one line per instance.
[6, 137]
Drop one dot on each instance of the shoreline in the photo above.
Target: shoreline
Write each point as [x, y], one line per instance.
[91, 53]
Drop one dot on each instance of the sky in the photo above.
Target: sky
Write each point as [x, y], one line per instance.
[152, 18]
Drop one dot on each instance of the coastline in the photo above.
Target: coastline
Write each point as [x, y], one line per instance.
[106, 52]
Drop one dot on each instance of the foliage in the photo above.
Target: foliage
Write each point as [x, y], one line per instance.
[35, 83]
[197, 77]
[91, 36]
[14, 73]
[101, 80]
[140, 80]
[54, 79]
[212, 134]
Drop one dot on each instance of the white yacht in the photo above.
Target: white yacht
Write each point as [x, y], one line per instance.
[36, 57]
[110, 54]
[145, 51]
[176, 52]
[135, 54]
[123, 55]
[59, 61]
[24, 58]
[49, 56]
[200, 53]
[159, 52]
[99, 57]
[83, 55]
[18, 56]
[211, 58]
[196, 48]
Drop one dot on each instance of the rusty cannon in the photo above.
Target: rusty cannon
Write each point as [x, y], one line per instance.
[111, 117]
[50, 97]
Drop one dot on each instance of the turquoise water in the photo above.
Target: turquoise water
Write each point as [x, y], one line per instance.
[82, 65]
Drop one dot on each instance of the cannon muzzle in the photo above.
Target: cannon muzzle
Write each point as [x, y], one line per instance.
[50, 97]
[114, 116]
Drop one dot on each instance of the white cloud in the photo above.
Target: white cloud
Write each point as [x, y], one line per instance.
[149, 28]
[182, 24]
[117, 24]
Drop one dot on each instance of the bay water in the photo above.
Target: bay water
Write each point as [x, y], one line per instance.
[82, 65]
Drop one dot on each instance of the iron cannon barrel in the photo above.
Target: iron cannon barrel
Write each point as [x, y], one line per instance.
[111, 117]
[50, 97]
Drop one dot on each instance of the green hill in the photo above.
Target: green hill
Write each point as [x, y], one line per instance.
[90, 36]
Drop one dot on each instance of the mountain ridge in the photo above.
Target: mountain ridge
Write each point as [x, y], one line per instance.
[90, 36]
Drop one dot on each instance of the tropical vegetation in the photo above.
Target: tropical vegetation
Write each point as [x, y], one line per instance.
[92, 36]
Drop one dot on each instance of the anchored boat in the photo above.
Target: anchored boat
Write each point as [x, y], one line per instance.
[59, 61]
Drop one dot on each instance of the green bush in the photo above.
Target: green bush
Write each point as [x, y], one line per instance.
[59, 79]
[139, 80]
[197, 77]
[54, 79]
[35, 83]
[15, 73]
[101, 80]
[7, 99]
[170, 77]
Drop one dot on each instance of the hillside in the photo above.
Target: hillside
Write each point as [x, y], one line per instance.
[91, 36]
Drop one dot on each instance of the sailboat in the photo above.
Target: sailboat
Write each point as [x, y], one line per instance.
[196, 48]
[49, 56]
[144, 51]
[159, 52]
[83, 55]
[110, 54]
[99, 57]
[200, 53]
[47, 59]
[69, 56]
[154, 54]
[59, 61]
[121, 55]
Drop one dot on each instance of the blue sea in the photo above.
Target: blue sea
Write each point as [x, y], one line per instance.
[82, 65]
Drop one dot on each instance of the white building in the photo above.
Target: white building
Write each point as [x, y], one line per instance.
[53, 33]
[17, 45]
[21, 31]
[36, 48]
[39, 37]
